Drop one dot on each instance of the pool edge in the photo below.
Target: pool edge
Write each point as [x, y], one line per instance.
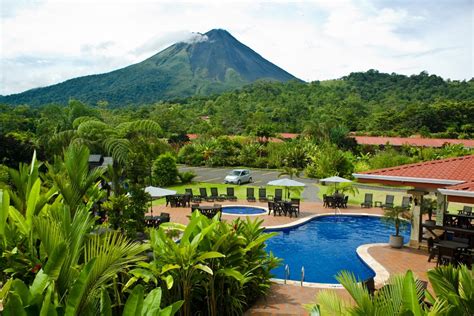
[381, 273]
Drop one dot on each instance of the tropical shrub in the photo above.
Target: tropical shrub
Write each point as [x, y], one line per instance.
[403, 295]
[186, 177]
[328, 160]
[164, 170]
[217, 268]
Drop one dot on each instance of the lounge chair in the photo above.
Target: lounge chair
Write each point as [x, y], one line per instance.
[215, 195]
[250, 195]
[367, 201]
[406, 202]
[278, 195]
[230, 194]
[262, 195]
[194, 198]
[388, 201]
[203, 193]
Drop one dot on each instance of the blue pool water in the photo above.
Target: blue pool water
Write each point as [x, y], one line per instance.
[327, 245]
[243, 210]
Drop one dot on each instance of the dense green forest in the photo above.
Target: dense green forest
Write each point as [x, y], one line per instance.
[370, 102]
[323, 112]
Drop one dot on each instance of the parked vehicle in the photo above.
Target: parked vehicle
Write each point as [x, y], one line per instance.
[238, 176]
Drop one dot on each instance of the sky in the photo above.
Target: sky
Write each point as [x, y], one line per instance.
[44, 42]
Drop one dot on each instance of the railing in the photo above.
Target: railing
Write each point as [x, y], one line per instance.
[287, 272]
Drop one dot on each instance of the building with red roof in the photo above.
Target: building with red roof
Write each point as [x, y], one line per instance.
[451, 179]
[412, 141]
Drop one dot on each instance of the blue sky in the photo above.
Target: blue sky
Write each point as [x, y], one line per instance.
[48, 41]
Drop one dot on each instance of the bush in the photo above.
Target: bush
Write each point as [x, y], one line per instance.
[217, 268]
[186, 177]
[165, 171]
[189, 155]
[328, 161]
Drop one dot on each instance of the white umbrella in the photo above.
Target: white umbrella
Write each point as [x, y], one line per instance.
[285, 182]
[335, 180]
[157, 192]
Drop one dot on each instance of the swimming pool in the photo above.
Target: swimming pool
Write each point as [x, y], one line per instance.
[327, 244]
[243, 210]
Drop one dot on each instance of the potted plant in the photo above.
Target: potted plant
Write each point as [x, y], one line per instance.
[427, 207]
[396, 215]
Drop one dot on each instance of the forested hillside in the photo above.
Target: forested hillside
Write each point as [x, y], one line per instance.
[370, 102]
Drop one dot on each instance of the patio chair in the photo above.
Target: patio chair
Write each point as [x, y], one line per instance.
[388, 201]
[467, 210]
[432, 249]
[271, 206]
[367, 201]
[230, 194]
[406, 202]
[325, 200]
[278, 209]
[262, 195]
[164, 218]
[445, 256]
[215, 195]
[344, 202]
[194, 207]
[369, 284]
[278, 195]
[203, 194]
[194, 198]
[250, 195]
[292, 209]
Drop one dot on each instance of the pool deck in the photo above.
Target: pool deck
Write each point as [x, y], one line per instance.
[286, 299]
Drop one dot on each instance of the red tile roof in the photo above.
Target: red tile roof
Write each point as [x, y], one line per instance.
[459, 168]
[192, 136]
[416, 141]
[467, 186]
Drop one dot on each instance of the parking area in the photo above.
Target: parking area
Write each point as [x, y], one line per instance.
[260, 177]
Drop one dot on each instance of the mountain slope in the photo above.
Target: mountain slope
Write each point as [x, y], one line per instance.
[215, 63]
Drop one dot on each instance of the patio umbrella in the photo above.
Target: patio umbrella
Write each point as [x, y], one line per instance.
[287, 183]
[156, 192]
[335, 180]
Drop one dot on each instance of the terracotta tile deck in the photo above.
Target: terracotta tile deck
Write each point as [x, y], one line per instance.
[289, 299]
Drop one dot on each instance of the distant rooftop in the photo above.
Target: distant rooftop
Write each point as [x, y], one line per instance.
[415, 141]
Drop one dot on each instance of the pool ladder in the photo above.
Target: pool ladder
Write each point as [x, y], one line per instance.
[287, 274]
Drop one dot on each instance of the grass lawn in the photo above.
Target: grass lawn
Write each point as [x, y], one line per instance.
[378, 195]
[240, 191]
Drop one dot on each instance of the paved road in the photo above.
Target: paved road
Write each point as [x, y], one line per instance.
[260, 177]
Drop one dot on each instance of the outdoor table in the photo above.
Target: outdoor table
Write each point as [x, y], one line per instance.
[452, 244]
[181, 199]
[209, 210]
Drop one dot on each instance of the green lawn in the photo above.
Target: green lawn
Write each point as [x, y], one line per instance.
[378, 195]
[240, 191]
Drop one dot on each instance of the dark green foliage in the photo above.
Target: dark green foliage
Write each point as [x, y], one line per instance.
[217, 268]
[132, 219]
[186, 177]
[165, 171]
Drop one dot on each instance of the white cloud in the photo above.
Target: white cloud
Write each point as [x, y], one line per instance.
[45, 42]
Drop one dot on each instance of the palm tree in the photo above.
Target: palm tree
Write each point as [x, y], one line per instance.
[74, 181]
[290, 172]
